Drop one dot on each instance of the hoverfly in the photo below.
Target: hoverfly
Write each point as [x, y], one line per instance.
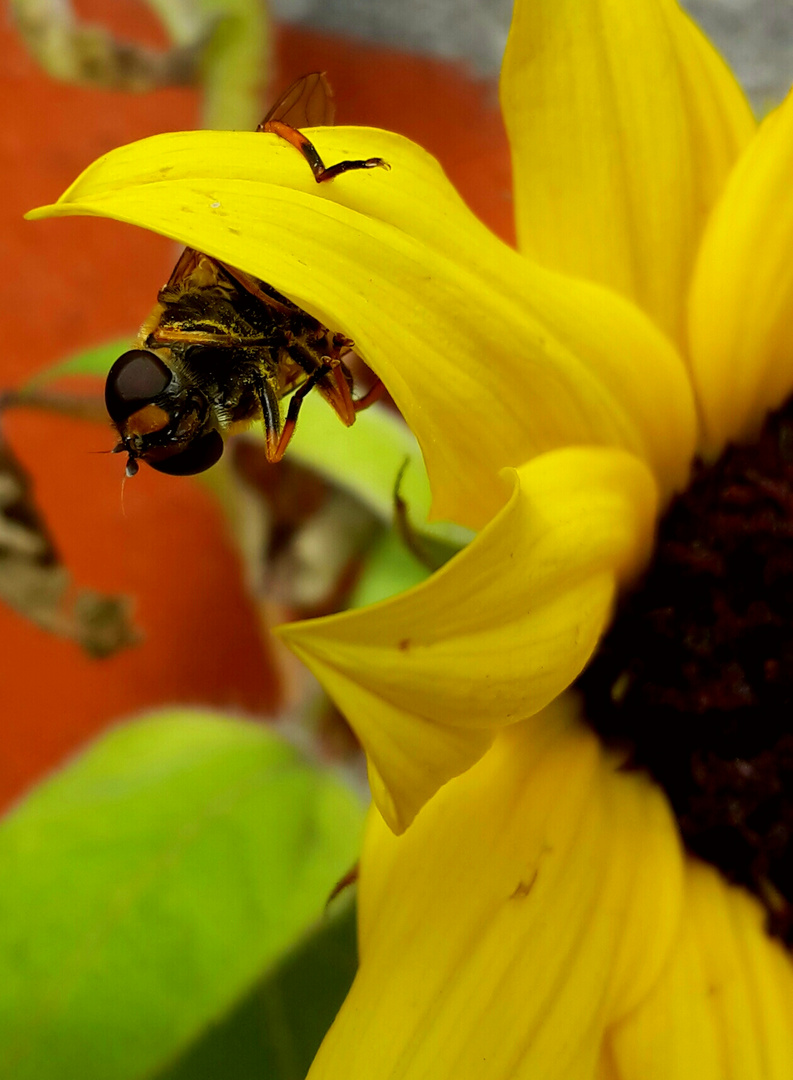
[222, 348]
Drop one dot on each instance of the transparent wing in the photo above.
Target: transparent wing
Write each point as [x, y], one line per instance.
[308, 102]
[187, 263]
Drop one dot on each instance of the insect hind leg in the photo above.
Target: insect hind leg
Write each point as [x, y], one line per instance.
[373, 394]
[336, 386]
[322, 173]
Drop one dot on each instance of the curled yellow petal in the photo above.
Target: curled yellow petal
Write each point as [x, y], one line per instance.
[741, 306]
[723, 1009]
[425, 678]
[490, 358]
[532, 903]
[624, 123]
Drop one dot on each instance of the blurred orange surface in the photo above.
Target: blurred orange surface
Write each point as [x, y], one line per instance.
[78, 282]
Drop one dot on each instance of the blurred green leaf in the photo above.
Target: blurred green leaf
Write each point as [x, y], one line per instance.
[236, 56]
[149, 884]
[366, 458]
[96, 361]
[276, 1032]
[391, 567]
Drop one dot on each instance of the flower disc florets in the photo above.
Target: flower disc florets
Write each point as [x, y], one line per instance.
[696, 673]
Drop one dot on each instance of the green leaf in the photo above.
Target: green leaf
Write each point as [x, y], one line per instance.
[366, 458]
[276, 1031]
[150, 883]
[391, 567]
[96, 361]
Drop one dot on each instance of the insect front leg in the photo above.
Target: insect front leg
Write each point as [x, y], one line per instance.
[271, 418]
[322, 173]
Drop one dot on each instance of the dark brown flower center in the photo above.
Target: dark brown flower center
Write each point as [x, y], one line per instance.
[695, 676]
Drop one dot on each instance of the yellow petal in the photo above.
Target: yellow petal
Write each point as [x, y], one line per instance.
[490, 358]
[426, 677]
[623, 123]
[533, 901]
[741, 308]
[723, 1009]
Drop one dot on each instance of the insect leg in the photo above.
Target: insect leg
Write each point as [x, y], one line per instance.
[338, 391]
[339, 394]
[275, 453]
[309, 152]
[373, 394]
[271, 418]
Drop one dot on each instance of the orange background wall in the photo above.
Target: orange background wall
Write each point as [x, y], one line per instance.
[78, 282]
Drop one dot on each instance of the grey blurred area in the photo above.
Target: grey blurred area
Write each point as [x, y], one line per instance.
[756, 36]
[471, 30]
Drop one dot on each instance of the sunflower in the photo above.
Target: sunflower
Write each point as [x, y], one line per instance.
[534, 895]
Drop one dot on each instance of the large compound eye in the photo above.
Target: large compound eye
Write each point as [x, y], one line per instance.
[135, 380]
[199, 455]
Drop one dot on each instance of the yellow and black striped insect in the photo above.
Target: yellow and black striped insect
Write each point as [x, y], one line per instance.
[221, 348]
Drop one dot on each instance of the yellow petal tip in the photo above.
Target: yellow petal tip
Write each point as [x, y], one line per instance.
[40, 212]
